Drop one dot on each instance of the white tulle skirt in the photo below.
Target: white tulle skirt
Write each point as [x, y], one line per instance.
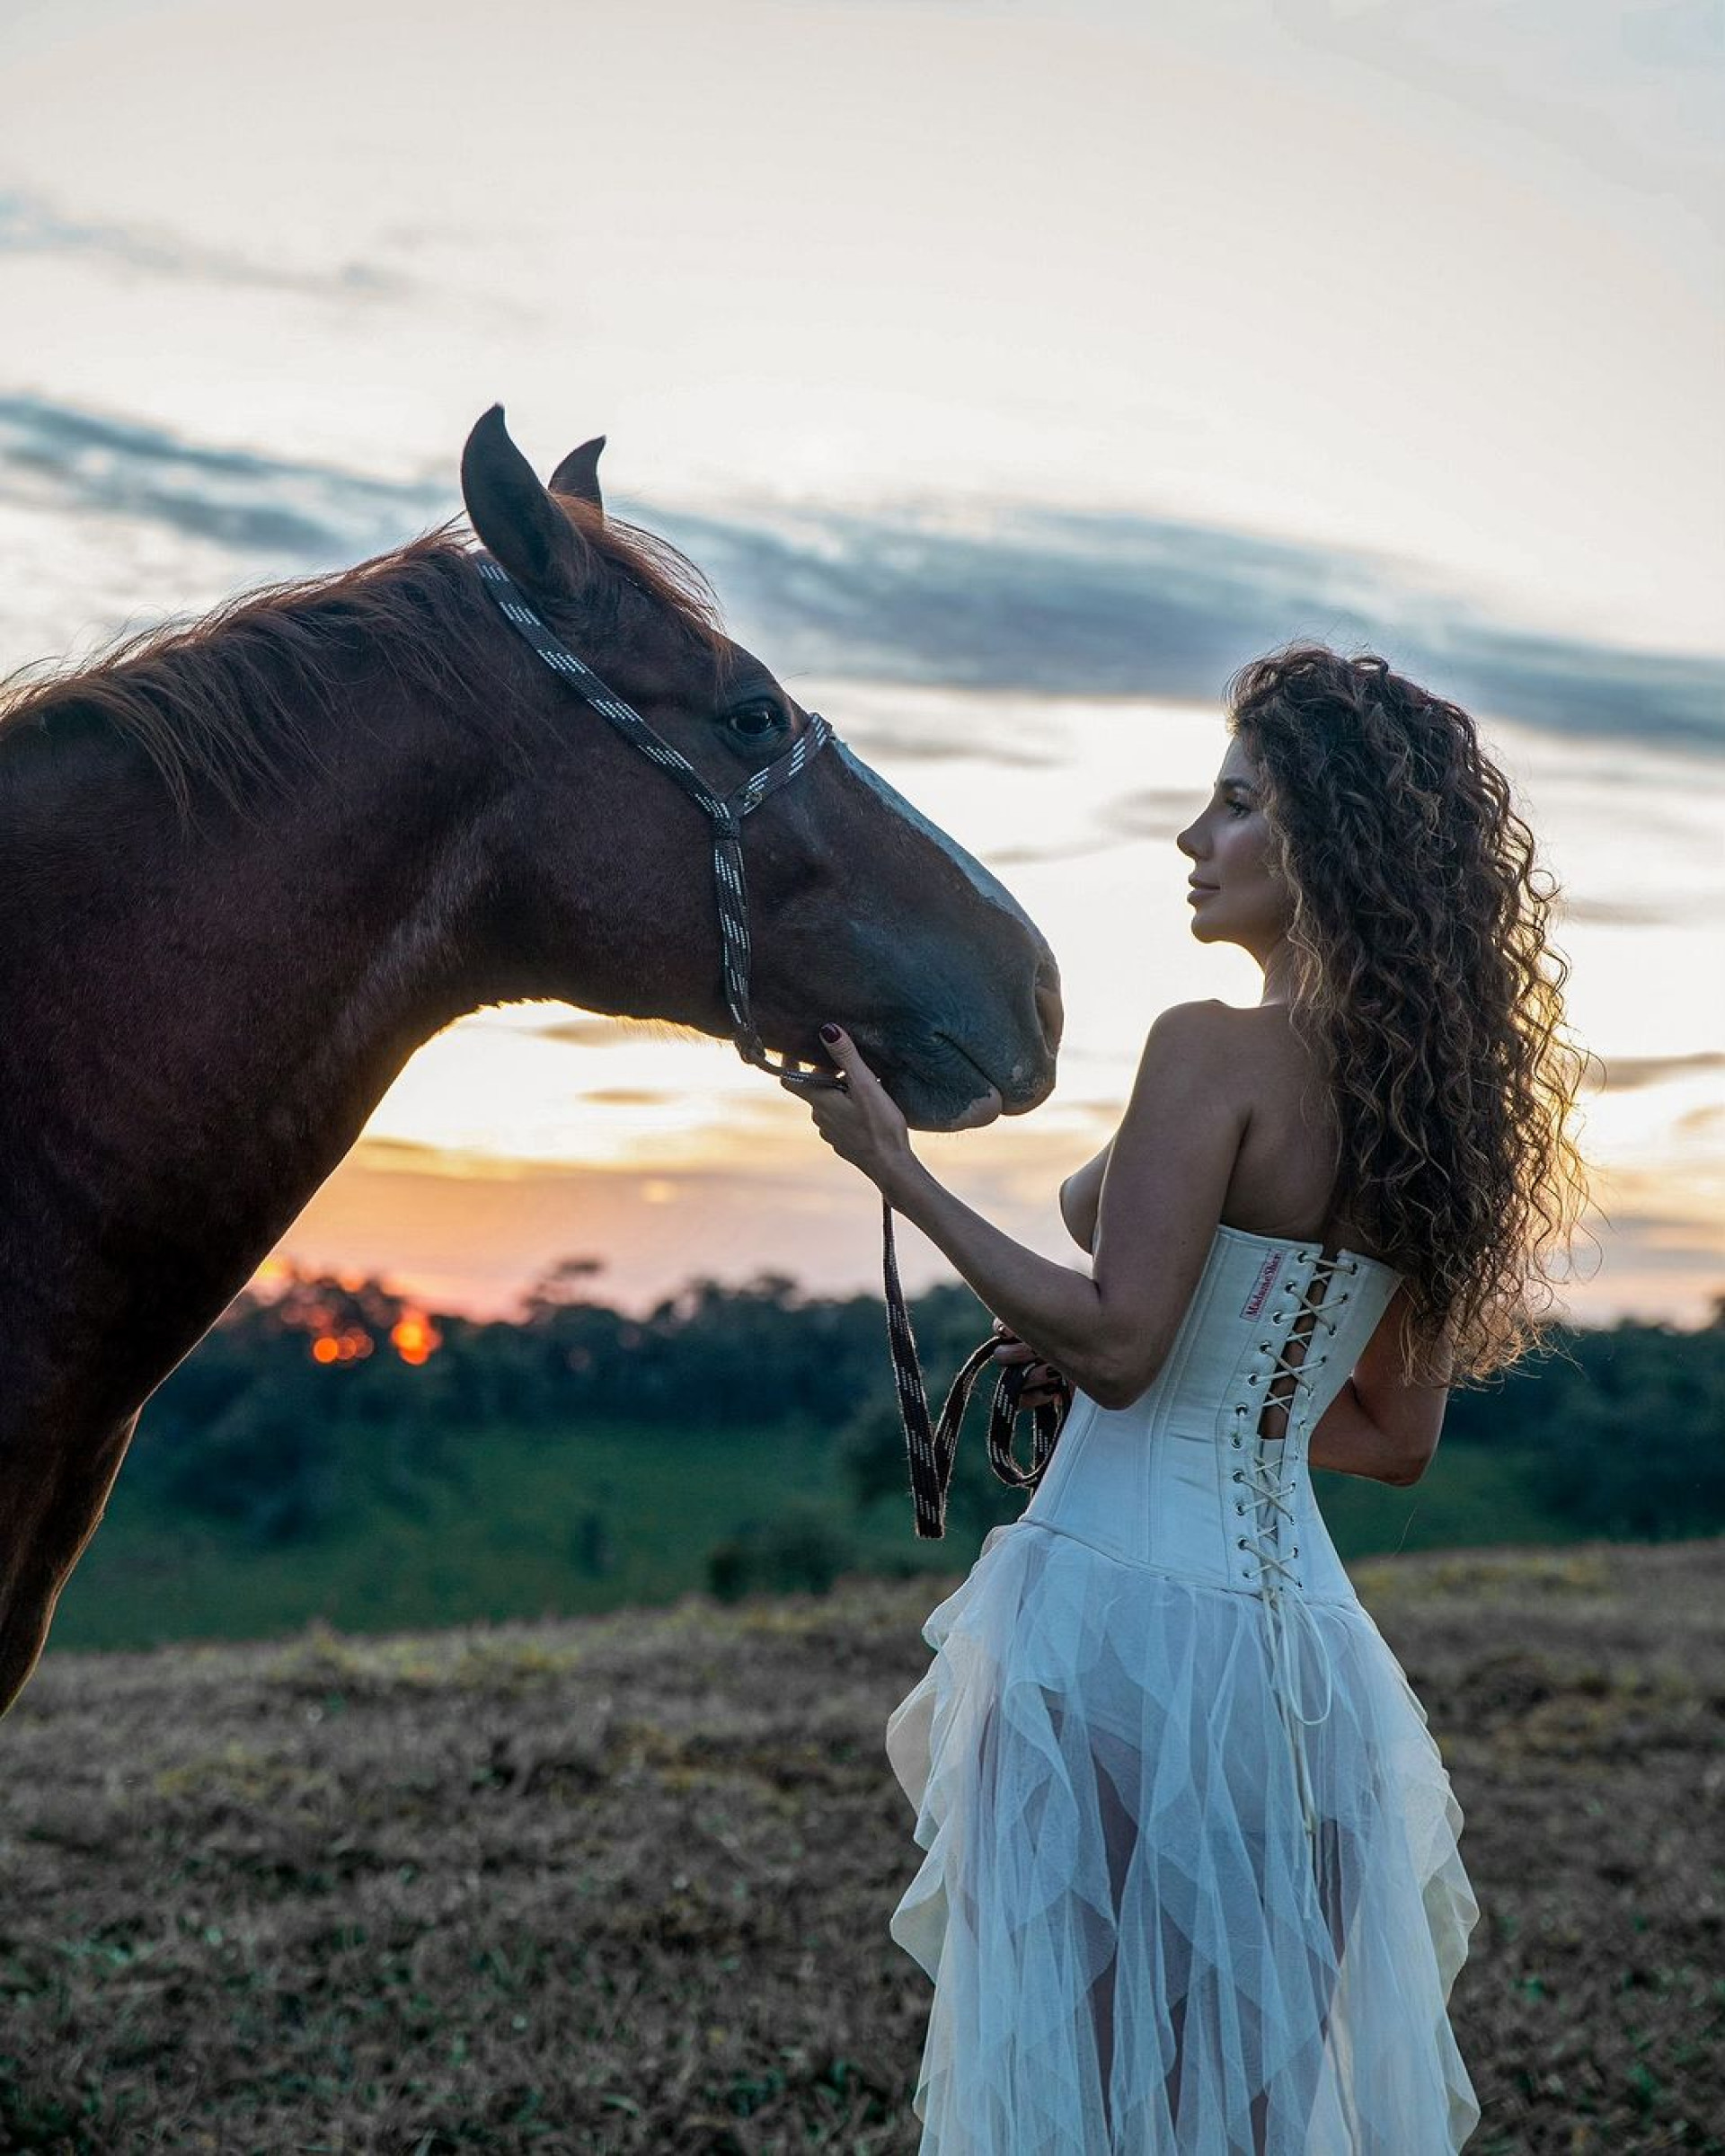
[1137, 1948]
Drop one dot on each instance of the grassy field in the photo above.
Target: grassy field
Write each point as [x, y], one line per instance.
[621, 1884]
[614, 1518]
[518, 1540]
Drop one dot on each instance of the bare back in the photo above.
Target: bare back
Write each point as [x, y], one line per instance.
[1286, 1169]
[1284, 1172]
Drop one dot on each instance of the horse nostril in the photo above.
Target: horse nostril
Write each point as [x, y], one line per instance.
[1049, 1009]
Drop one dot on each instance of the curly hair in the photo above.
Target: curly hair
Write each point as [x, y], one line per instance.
[1427, 993]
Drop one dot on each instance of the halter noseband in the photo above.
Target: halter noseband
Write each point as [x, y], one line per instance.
[932, 1449]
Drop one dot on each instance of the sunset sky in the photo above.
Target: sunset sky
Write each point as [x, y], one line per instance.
[1016, 372]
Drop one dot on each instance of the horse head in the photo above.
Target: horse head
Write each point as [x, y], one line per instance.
[861, 909]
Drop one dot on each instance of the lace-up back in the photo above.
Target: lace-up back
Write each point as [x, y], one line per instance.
[1325, 1295]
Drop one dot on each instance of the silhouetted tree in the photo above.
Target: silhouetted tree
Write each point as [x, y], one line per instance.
[295, 1404]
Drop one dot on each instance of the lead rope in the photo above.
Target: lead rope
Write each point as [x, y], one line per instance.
[931, 1451]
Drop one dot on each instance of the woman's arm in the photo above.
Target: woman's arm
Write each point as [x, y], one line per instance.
[1162, 1190]
[1346, 1440]
[1379, 1425]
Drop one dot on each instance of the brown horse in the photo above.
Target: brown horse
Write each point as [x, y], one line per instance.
[252, 864]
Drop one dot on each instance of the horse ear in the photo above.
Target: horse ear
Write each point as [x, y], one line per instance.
[579, 473]
[514, 516]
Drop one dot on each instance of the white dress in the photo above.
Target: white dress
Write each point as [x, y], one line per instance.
[1191, 1884]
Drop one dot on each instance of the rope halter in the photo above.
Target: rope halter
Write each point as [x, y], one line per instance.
[726, 811]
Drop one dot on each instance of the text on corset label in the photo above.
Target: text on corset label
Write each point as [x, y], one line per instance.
[1266, 1280]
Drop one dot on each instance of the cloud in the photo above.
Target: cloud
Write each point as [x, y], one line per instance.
[881, 738]
[1627, 94]
[1032, 856]
[1660, 1243]
[1632, 1073]
[591, 1033]
[1111, 604]
[1623, 913]
[598, 1032]
[59, 456]
[1031, 601]
[1145, 812]
[1150, 812]
[30, 225]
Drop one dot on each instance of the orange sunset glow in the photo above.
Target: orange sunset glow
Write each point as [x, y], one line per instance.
[356, 1328]
[1274, 383]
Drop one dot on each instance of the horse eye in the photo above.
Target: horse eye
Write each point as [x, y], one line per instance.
[754, 721]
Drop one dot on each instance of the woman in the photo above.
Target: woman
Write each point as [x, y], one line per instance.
[1191, 1879]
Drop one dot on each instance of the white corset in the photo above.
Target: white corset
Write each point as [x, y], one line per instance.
[1183, 1482]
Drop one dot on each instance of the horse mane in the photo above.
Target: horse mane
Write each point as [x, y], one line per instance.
[221, 701]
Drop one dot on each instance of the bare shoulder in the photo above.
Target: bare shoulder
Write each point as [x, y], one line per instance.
[1268, 1056]
[1269, 1028]
[1285, 1174]
[1206, 1024]
[1190, 1061]
[1227, 1039]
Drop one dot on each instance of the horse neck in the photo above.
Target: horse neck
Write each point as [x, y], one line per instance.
[200, 1027]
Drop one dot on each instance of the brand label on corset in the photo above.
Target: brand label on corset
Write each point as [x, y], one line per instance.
[1266, 1280]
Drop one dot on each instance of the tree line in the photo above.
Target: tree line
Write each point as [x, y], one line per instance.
[258, 1426]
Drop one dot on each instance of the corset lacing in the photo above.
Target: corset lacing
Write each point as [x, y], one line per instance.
[1269, 1500]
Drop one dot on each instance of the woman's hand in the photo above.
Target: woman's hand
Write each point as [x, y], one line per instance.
[1043, 1386]
[860, 1120]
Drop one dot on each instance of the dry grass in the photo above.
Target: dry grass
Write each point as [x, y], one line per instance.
[622, 1884]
